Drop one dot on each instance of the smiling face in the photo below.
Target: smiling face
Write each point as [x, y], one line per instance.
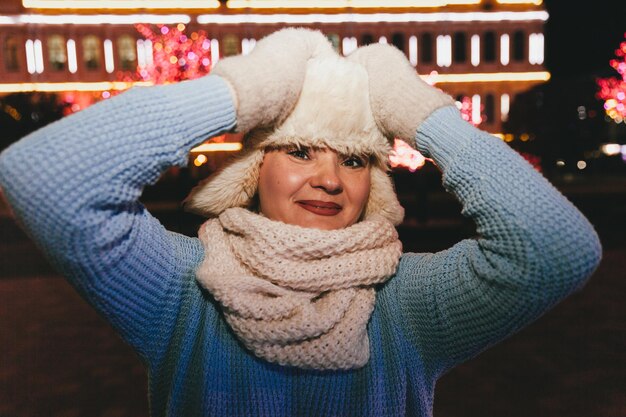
[315, 188]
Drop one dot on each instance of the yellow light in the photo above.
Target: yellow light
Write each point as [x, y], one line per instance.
[499, 135]
[173, 60]
[180, 27]
[421, 17]
[335, 4]
[535, 2]
[487, 77]
[217, 147]
[93, 19]
[121, 4]
[52, 87]
[508, 137]
[200, 160]
[524, 137]
[611, 149]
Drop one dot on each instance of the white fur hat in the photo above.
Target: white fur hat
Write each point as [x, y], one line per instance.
[333, 111]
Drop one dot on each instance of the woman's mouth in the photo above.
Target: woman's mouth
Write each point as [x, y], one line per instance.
[323, 208]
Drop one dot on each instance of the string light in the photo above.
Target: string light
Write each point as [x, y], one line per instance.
[434, 17]
[613, 89]
[121, 4]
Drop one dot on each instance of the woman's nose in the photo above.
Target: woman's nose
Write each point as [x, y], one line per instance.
[327, 177]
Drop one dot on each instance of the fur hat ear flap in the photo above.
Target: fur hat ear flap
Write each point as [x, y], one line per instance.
[383, 199]
[233, 186]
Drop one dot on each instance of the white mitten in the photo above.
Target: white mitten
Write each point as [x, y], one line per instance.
[400, 99]
[267, 82]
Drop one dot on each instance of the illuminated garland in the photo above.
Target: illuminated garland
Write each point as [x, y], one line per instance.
[176, 56]
[613, 90]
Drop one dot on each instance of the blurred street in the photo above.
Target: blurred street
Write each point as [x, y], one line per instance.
[59, 358]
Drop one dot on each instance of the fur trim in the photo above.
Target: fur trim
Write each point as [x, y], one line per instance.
[233, 186]
[333, 111]
[383, 199]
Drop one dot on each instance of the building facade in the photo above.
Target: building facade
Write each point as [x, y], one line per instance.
[482, 52]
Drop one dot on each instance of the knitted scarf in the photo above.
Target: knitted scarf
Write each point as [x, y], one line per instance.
[297, 296]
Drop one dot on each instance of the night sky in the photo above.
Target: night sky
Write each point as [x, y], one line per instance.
[580, 40]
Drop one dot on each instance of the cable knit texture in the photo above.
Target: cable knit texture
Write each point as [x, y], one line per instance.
[81, 205]
[400, 99]
[297, 296]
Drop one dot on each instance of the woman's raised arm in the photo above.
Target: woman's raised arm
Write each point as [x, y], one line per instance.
[534, 247]
[74, 185]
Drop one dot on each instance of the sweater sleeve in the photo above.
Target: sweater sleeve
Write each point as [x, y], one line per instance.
[74, 186]
[533, 248]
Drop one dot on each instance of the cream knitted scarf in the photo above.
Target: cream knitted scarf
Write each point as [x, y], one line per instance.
[298, 296]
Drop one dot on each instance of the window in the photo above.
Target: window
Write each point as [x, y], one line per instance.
[348, 45]
[504, 107]
[505, 49]
[426, 48]
[444, 50]
[518, 46]
[247, 45]
[476, 116]
[460, 47]
[109, 65]
[489, 108]
[397, 40]
[489, 51]
[535, 48]
[230, 45]
[127, 53]
[333, 38]
[91, 52]
[413, 50]
[9, 51]
[475, 50]
[57, 56]
[366, 39]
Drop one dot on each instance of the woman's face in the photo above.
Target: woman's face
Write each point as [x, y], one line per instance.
[316, 188]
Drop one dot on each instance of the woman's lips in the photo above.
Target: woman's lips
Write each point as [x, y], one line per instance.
[323, 208]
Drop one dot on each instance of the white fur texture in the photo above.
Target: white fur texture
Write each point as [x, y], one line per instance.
[333, 111]
[255, 78]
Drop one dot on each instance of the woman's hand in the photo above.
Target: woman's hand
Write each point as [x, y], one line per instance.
[267, 82]
[400, 99]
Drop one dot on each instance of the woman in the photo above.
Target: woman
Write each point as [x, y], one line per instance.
[295, 299]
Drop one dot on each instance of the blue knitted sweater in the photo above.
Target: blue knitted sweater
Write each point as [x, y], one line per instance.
[75, 185]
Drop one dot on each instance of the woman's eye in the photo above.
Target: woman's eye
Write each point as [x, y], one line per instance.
[354, 162]
[299, 153]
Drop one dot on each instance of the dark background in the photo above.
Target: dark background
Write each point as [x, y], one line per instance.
[581, 37]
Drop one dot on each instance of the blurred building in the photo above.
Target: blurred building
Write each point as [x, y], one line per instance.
[482, 51]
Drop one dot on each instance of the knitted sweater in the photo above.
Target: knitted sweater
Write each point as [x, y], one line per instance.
[75, 185]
